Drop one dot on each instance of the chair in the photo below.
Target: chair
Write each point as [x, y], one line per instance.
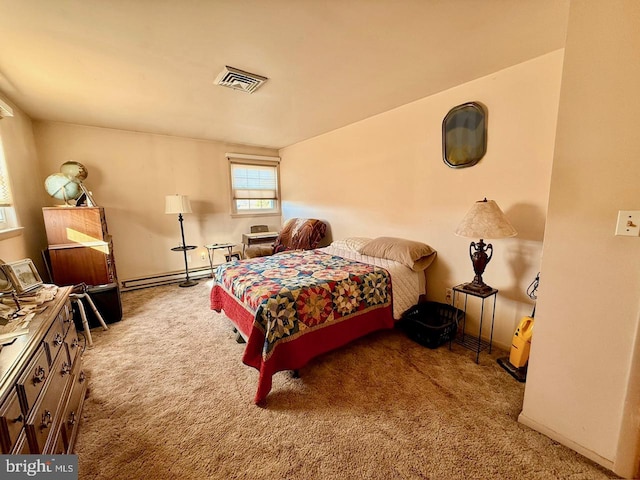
[297, 234]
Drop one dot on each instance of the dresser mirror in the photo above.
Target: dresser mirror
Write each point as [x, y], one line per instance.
[5, 284]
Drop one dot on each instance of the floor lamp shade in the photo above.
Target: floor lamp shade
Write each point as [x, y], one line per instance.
[485, 220]
[179, 204]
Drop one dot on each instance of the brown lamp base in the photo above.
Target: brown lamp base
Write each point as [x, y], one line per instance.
[477, 287]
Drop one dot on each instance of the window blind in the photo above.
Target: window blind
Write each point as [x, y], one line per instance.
[5, 194]
[254, 182]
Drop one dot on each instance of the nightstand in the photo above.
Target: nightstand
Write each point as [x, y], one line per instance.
[467, 340]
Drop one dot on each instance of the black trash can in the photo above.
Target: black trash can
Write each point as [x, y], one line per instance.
[431, 323]
[106, 299]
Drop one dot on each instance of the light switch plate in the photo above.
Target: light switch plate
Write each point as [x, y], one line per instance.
[628, 223]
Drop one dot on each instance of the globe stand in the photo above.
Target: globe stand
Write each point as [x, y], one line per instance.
[85, 197]
[183, 248]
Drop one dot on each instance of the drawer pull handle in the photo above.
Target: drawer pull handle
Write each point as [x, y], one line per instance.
[57, 340]
[38, 375]
[72, 418]
[66, 368]
[47, 418]
[18, 419]
[75, 343]
[82, 377]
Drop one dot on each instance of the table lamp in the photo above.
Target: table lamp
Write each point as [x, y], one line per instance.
[484, 220]
[180, 204]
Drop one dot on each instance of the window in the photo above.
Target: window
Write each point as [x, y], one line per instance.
[254, 184]
[7, 215]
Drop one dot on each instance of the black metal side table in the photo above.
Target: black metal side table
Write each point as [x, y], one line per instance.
[471, 341]
[183, 248]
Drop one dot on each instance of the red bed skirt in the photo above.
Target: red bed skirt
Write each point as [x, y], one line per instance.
[294, 354]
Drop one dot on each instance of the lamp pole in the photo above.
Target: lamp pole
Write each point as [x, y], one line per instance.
[180, 204]
[188, 282]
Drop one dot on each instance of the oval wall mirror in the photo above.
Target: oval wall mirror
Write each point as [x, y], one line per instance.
[5, 284]
[464, 135]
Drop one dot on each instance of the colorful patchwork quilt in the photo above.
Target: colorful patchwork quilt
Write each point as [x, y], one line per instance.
[289, 296]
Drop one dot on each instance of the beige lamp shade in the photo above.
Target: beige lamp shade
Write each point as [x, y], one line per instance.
[177, 204]
[485, 220]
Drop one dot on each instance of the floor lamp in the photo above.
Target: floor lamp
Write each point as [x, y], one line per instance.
[180, 204]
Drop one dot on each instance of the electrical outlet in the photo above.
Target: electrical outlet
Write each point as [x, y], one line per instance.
[189, 258]
[448, 296]
[202, 255]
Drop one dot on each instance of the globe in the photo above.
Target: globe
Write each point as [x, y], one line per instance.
[62, 187]
[74, 170]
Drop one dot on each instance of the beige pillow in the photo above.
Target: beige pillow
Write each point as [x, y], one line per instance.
[415, 255]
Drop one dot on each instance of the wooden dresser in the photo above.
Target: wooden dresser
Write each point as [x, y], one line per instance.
[80, 247]
[42, 384]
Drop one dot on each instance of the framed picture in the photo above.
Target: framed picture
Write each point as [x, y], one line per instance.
[233, 256]
[23, 275]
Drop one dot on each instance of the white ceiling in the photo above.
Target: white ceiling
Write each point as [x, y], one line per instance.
[149, 65]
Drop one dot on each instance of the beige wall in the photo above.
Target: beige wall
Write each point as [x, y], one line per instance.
[385, 176]
[584, 376]
[26, 185]
[130, 173]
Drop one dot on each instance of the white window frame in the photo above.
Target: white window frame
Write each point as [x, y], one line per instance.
[8, 221]
[254, 160]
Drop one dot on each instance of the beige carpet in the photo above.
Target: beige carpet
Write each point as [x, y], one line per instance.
[170, 399]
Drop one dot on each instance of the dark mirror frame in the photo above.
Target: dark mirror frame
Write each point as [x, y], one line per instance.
[464, 135]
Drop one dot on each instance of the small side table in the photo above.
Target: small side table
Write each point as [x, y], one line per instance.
[467, 340]
[211, 249]
[188, 282]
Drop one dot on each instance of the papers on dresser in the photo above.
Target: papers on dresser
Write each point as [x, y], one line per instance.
[11, 329]
[12, 306]
[38, 297]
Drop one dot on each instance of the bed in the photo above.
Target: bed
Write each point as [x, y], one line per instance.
[293, 306]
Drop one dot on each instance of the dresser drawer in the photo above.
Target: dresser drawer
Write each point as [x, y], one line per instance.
[22, 445]
[65, 317]
[33, 379]
[45, 416]
[59, 447]
[73, 411]
[74, 345]
[11, 422]
[54, 339]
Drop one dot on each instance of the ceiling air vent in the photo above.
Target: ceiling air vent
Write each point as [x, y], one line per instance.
[239, 80]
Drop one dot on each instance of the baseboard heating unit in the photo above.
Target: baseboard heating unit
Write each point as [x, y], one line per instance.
[164, 279]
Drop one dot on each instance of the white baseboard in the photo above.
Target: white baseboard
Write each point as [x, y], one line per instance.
[591, 455]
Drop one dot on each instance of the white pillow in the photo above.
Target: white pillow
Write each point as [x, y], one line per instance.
[351, 243]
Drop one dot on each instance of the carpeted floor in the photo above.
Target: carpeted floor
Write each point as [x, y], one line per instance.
[170, 399]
